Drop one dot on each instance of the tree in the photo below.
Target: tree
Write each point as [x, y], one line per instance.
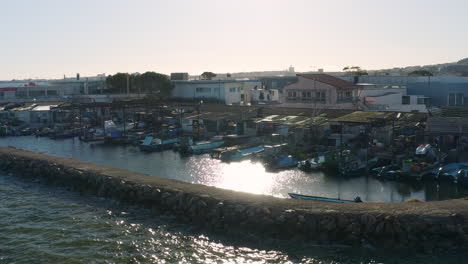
[207, 76]
[117, 83]
[420, 73]
[148, 82]
[154, 83]
[355, 70]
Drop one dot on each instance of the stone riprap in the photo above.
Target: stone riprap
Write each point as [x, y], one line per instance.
[420, 225]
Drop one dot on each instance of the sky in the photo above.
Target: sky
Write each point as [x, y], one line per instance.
[53, 38]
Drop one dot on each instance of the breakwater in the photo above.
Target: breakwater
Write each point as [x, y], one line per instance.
[427, 226]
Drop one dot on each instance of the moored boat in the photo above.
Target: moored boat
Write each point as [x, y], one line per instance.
[152, 144]
[281, 161]
[323, 199]
[313, 164]
[236, 153]
[202, 147]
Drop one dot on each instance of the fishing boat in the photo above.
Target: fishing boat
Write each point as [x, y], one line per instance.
[236, 153]
[156, 144]
[312, 164]
[323, 199]
[450, 171]
[358, 168]
[201, 147]
[93, 135]
[281, 161]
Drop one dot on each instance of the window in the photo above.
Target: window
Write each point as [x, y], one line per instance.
[460, 99]
[37, 93]
[52, 93]
[232, 90]
[203, 90]
[405, 100]
[348, 93]
[21, 94]
[456, 99]
[451, 99]
[1, 94]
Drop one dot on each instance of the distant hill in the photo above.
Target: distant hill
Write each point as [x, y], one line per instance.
[459, 68]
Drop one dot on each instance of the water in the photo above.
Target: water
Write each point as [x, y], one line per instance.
[41, 224]
[241, 176]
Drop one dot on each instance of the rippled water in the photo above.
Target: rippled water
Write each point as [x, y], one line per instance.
[241, 176]
[39, 224]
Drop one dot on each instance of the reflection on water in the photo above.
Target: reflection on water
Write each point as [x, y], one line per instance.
[39, 224]
[244, 176]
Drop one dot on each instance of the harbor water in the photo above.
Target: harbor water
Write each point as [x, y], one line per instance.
[243, 176]
[41, 224]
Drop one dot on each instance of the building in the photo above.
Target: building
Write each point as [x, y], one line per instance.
[179, 76]
[441, 90]
[262, 96]
[321, 91]
[42, 114]
[235, 92]
[390, 98]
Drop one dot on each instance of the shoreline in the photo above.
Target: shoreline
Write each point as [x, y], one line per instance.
[426, 226]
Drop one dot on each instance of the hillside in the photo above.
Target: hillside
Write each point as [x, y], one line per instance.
[459, 68]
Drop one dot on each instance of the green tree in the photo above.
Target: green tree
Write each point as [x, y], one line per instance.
[154, 83]
[207, 75]
[355, 71]
[117, 83]
[420, 73]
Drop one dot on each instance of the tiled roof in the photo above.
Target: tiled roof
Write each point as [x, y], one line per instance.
[328, 79]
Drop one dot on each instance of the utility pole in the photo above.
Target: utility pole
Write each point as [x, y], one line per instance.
[124, 120]
[128, 83]
[341, 149]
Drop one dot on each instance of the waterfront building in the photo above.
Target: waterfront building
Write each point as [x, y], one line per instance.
[179, 76]
[262, 96]
[441, 90]
[381, 127]
[390, 98]
[321, 91]
[230, 92]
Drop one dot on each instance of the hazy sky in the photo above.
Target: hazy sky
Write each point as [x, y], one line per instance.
[50, 38]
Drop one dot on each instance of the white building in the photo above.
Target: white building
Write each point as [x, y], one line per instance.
[265, 96]
[228, 91]
[391, 98]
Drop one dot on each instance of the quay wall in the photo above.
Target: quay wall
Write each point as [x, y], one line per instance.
[426, 226]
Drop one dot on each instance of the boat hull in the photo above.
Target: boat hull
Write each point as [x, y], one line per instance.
[318, 199]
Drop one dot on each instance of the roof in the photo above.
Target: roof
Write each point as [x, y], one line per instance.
[291, 120]
[212, 81]
[381, 95]
[368, 117]
[328, 79]
[212, 116]
[451, 111]
[447, 126]
[43, 107]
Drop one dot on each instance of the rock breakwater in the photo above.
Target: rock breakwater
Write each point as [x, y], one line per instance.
[425, 226]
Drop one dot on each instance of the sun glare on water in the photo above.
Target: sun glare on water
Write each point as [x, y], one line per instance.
[245, 176]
